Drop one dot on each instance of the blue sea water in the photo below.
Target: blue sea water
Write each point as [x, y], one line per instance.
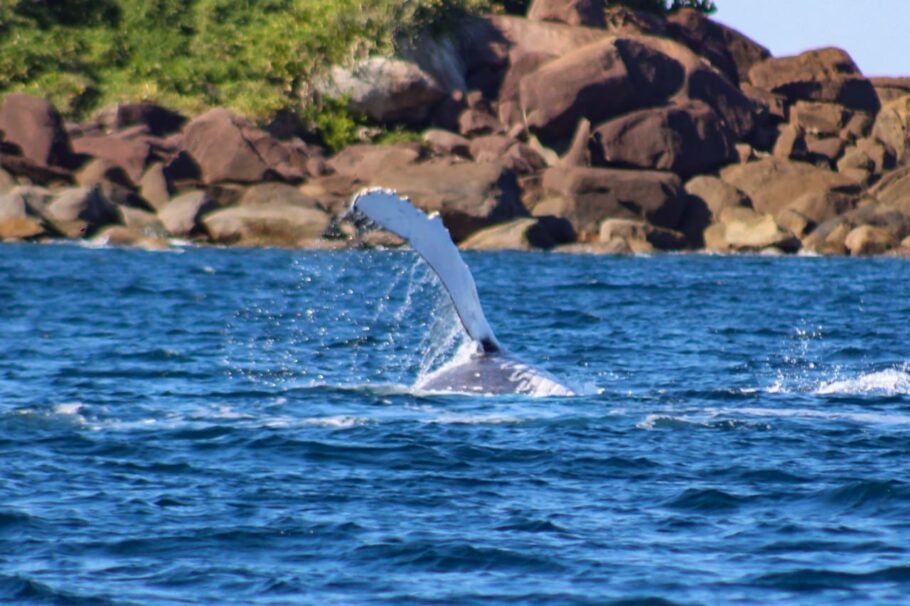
[237, 427]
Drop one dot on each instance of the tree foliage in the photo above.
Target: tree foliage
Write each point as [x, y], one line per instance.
[254, 56]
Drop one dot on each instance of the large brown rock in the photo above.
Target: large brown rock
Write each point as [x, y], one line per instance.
[869, 240]
[366, 162]
[708, 196]
[468, 196]
[820, 206]
[592, 83]
[522, 234]
[774, 183]
[182, 216]
[81, 211]
[227, 148]
[741, 229]
[132, 155]
[35, 126]
[388, 90]
[727, 49]
[892, 127]
[155, 119]
[587, 196]
[826, 74]
[894, 190]
[640, 236]
[278, 224]
[686, 139]
[571, 12]
[23, 216]
[889, 89]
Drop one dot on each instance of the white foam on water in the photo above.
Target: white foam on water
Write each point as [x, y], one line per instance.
[889, 382]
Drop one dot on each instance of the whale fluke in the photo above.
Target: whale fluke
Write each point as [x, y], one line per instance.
[491, 370]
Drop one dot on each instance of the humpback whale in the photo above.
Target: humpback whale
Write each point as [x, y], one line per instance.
[489, 370]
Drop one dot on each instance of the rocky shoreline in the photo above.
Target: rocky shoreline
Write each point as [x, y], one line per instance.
[583, 127]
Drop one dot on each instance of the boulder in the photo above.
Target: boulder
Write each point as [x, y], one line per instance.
[522, 234]
[366, 162]
[486, 44]
[99, 170]
[35, 126]
[770, 107]
[121, 235]
[388, 90]
[791, 143]
[521, 63]
[596, 83]
[572, 12]
[132, 155]
[892, 127]
[821, 119]
[278, 224]
[507, 152]
[824, 151]
[640, 235]
[446, 143]
[775, 183]
[728, 50]
[867, 154]
[826, 74]
[735, 108]
[468, 196]
[7, 181]
[820, 206]
[272, 193]
[894, 190]
[143, 221]
[889, 89]
[22, 215]
[332, 192]
[81, 211]
[708, 196]
[624, 21]
[741, 229]
[686, 139]
[587, 196]
[477, 121]
[155, 187]
[828, 238]
[228, 148]
[182, 216]
[157, 120]
[868, 240]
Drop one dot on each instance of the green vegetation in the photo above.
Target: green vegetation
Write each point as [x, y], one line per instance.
[254, 56]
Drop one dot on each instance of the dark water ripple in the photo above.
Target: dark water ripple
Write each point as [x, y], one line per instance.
[236, 427]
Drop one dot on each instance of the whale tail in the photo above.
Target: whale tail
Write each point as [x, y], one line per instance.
[432, 241]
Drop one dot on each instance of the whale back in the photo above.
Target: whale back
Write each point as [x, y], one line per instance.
[429, 237]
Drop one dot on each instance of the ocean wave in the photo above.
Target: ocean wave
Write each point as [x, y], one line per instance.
[889, 382]
[814, 579]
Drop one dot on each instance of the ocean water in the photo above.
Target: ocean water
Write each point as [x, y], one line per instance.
[216, 426]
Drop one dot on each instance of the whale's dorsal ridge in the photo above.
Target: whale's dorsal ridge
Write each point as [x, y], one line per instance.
[432, 241]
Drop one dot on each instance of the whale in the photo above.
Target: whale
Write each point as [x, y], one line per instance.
[489, 368]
